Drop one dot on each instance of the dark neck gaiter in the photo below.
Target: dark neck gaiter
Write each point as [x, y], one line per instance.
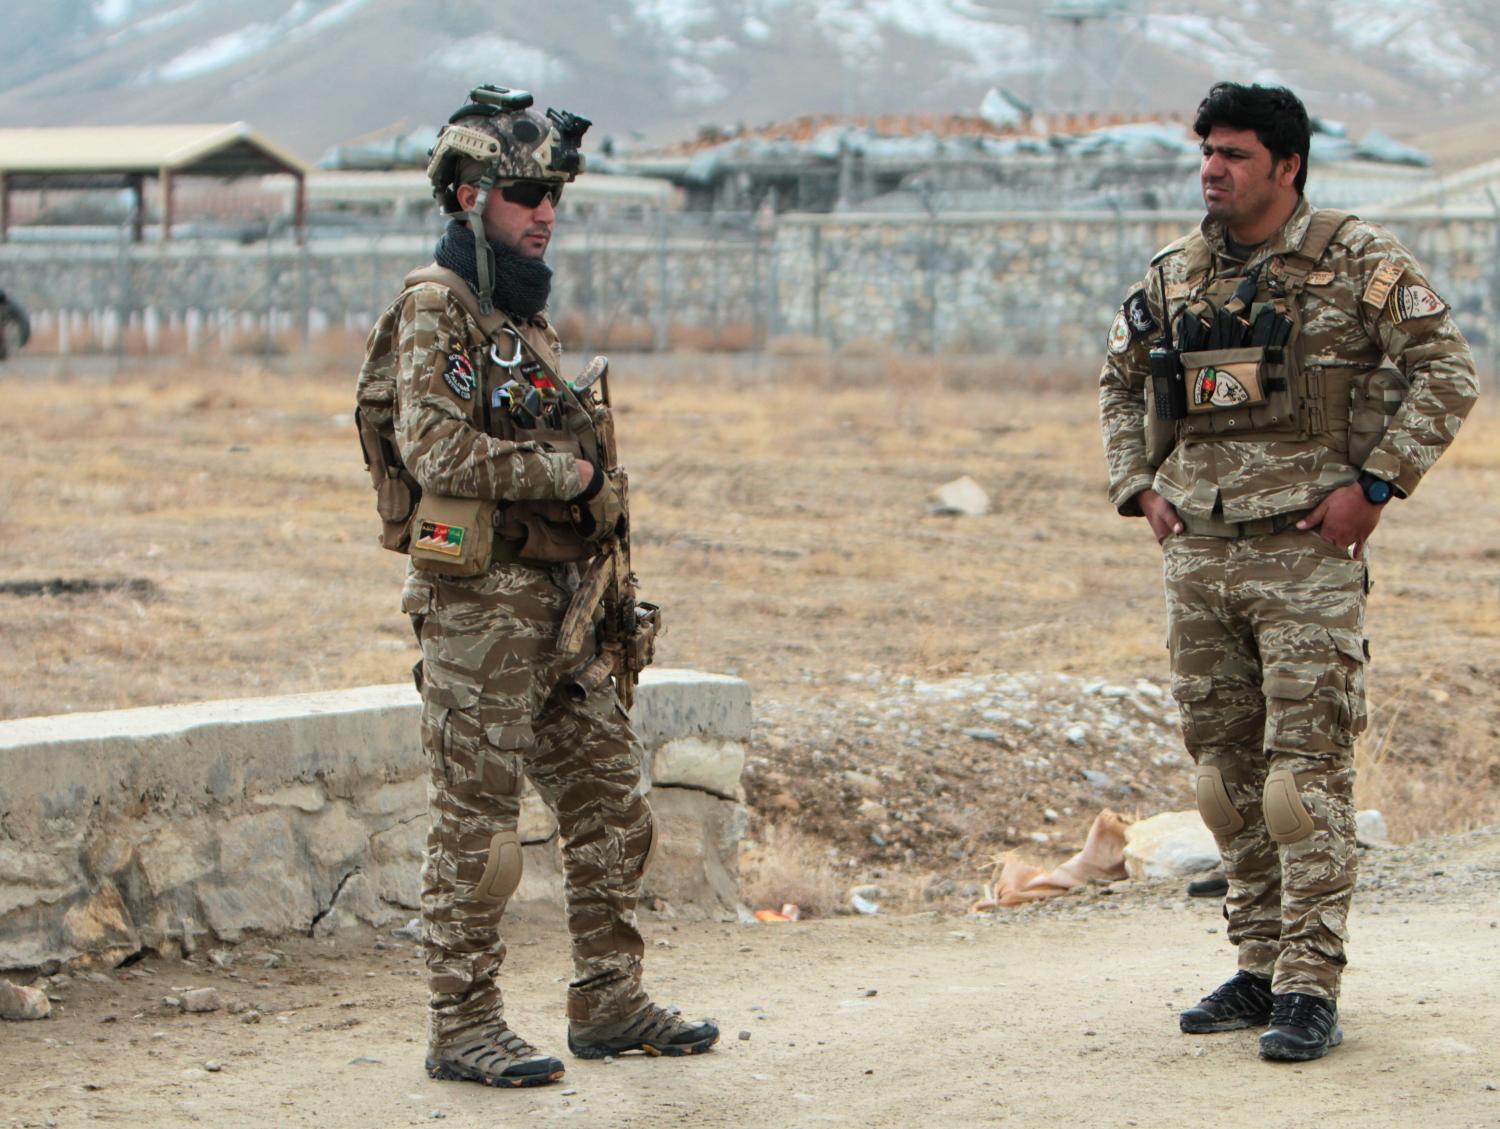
[521, 284]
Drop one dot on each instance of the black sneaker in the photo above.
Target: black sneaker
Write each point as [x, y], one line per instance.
[1302, 1027]
[655, 1030]
[1244, 1000]
[498, 1058]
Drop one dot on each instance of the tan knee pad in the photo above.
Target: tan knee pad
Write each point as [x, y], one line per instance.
[1287, 820]
[502, 870]
[1219, 814]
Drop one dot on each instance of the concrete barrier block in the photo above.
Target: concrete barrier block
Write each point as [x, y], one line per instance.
[688, 703]
[691, 762]
[176, 826]
[696, 867]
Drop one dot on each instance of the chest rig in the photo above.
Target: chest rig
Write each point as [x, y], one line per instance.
[1244, 368]
[514, 394]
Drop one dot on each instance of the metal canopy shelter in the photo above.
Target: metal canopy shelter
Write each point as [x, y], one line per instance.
[125, 156]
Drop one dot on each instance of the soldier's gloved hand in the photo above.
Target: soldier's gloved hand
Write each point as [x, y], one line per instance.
[1160, 514]
[1345, 518]
[596, 512]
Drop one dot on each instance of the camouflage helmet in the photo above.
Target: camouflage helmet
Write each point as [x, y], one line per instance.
[497, 136]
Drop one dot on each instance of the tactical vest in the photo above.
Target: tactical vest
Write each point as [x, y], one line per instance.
[539, 531]
[1345, 407]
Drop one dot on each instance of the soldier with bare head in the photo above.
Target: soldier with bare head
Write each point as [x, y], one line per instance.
[1277, 378]
[497, 475]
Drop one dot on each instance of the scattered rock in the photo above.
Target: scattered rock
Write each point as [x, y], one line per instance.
[17, 1002]
[744, 1036]
[1174, 844]
[213, 1067]
[200, 1000]
[963, 497]
[1371, 829]
[982, 734]
[411, 931]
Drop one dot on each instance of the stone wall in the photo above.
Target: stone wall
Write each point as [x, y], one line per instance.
[1029, 283]
[171, 826]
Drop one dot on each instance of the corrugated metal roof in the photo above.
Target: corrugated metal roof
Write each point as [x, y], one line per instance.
[61, 151]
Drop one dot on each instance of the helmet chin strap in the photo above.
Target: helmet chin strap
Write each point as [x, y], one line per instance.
[484, 256]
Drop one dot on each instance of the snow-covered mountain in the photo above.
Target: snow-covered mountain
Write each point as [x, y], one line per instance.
[311, 73]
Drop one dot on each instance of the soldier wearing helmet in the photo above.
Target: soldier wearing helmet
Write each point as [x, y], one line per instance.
[489, 472]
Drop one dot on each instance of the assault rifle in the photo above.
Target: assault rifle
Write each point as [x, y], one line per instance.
[627, 633]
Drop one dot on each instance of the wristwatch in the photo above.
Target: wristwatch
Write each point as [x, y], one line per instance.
[1377, 490]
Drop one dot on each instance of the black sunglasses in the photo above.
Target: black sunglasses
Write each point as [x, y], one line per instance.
[531, 193]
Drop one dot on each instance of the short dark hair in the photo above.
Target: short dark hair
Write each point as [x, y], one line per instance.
[1277, 116]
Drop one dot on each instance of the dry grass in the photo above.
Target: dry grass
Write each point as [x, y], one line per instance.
[780, 509]
[782, 866]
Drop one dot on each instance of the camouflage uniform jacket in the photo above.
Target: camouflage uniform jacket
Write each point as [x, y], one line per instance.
[1352, 320]
[438, 422]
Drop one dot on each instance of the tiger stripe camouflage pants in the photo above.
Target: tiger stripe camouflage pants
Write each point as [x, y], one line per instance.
[1266, 637]
[493, 713]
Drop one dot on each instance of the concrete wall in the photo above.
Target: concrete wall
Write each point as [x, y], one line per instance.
[1024, 283]
[183, 824]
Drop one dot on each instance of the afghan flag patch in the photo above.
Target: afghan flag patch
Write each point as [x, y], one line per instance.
[437, 537]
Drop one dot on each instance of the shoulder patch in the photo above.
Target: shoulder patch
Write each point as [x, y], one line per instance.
[1409, 302]
[1119, 335]
[1386, 275]
[1138, 314]
[459, 374]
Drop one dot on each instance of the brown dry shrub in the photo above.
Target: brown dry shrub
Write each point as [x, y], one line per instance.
[736, 338]
[798, 345]
[786, 865]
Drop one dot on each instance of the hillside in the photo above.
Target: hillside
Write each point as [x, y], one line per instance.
[655, 70]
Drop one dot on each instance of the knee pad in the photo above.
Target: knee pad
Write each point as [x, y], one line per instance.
[1219, 814]
[502, 870]
[1287, 819]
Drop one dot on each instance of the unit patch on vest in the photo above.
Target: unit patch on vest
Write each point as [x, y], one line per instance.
[1138, 314]
[1218, 387]
[1409, 302]
[436, 537]
[1119, 335]
[1386, 275]
[459, 375]
[1320, 278]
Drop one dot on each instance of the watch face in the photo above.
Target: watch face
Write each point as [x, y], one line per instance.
[1378, 491]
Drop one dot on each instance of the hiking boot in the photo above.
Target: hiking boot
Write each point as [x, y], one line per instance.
[496, 1058]
[655, 1030]
[1244, 1000]
[1211, 885]
[1302, 1027]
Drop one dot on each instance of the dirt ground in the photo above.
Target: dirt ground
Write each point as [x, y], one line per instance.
[930, 692]
[1060, 1014]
